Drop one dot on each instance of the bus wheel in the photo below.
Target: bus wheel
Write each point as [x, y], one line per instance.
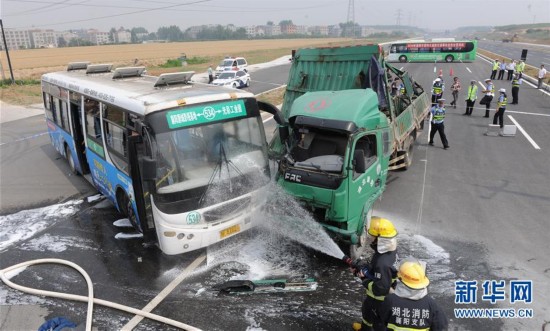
[234, 85]
[402, 59]
[449, 58]
[70, 159]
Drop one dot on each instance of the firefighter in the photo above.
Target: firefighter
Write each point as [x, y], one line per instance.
[378, 274]
[437, 90]
[410, 307]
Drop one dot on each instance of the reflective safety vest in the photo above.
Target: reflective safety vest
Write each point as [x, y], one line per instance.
[495, 65]
[491, 89]
[402, 89]
[392, 326]
[438, 114]
[521, 67]
[472, 92]
[502, 101]
[437, 89]
[515, 82]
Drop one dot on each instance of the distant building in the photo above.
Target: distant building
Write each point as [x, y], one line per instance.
[231, 27]
[43, 38]
[16, 39]
[250, 31]
[302, 29]
[123, 36]
[272, 30]
[334, 31]
[288, 29]
[319, 30]
[365, 31]
[98, 37]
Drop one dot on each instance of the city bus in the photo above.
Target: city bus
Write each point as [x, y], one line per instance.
[184, 162]
[433, 51]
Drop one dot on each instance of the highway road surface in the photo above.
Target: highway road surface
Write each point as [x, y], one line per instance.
[477, 211]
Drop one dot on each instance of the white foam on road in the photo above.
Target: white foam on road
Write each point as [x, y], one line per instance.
[122, 235]
[27, 223]
[57, 244]
[123, 223]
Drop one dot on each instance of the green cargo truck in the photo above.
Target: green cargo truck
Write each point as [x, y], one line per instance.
[343, 131]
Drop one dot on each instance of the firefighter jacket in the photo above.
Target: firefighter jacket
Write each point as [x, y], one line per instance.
[411, 310]
[381, 273]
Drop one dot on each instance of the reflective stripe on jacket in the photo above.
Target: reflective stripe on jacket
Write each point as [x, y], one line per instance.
[472, 92]
[502, 101]
[438, 114]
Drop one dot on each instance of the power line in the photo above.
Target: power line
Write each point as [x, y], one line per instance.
[48, 8]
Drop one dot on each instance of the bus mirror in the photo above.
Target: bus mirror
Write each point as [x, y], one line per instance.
[359, 161]
[149, 168]
[277, 115]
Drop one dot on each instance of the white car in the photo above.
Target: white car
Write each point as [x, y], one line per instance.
[234, 79]
[232, 63]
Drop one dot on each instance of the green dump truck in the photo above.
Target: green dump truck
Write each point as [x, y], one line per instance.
[343, 131]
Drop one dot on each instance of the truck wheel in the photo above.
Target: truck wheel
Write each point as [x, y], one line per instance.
[449, 58]
[359, 250]
[234, 85]
[70, 160]
[402, 59]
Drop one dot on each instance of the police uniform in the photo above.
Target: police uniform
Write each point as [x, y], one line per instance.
[501, 104]
[496, 65]
[515, 90]
[405, 314]
[471, 97]
[437, 91]
[438, 118]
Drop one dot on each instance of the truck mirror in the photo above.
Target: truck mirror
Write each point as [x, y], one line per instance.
[359, 161]
[284, 133]
[277, 115]
[149, 168]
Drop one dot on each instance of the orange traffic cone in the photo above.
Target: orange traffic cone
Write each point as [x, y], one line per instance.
[451, 72]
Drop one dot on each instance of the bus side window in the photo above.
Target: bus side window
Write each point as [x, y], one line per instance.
[56, 111]
[64, 115]
[48, 107]
[116, 135]
[93, 128]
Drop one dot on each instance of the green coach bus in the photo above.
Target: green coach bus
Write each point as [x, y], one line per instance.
[433, 51]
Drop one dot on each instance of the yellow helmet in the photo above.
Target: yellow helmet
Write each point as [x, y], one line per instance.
[381, 227]
[413, 274]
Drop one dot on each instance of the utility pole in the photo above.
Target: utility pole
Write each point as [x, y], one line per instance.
[7, 52]
[351, 16]
[398, 18]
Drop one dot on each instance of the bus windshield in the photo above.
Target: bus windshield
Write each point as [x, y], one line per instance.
[223, 160]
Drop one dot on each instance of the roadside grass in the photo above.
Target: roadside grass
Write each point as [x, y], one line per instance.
[274, 97]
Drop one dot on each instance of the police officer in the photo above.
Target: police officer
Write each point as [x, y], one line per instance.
[437, 90]
[501, 107]
[471, 97]
[496, 65]
[516, 82]
[377, 276]
[489, 94]
[410, 307]
[438, 117]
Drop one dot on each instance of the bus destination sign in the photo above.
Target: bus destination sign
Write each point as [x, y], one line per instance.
[203, 114]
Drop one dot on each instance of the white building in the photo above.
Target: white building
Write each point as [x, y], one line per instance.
[43, 38]
[16, 39]
[98, 37]
[250, 31]
[272, 30]
[319, 30]
[302, 29]
[123, 36]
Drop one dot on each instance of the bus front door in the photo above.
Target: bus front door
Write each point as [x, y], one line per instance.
[79, 137]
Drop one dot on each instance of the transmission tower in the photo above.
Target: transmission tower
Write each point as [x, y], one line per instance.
[351, 17]
[398, 18]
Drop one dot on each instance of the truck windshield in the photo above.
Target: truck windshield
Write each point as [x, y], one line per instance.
[222, 160]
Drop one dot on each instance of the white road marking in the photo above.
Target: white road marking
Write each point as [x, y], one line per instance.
[401, 68]
[470, 71]
[525, 113]
[165, 292]
[527, 136]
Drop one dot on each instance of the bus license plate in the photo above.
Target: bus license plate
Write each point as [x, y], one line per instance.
[230, 230]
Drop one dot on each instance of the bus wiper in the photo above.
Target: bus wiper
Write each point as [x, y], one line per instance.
[222, 160]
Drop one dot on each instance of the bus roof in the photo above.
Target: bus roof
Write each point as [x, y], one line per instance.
[139, 94]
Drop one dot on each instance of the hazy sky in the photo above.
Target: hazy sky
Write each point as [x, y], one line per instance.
[101, 14]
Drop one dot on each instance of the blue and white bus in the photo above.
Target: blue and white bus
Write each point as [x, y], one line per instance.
[185, 162]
